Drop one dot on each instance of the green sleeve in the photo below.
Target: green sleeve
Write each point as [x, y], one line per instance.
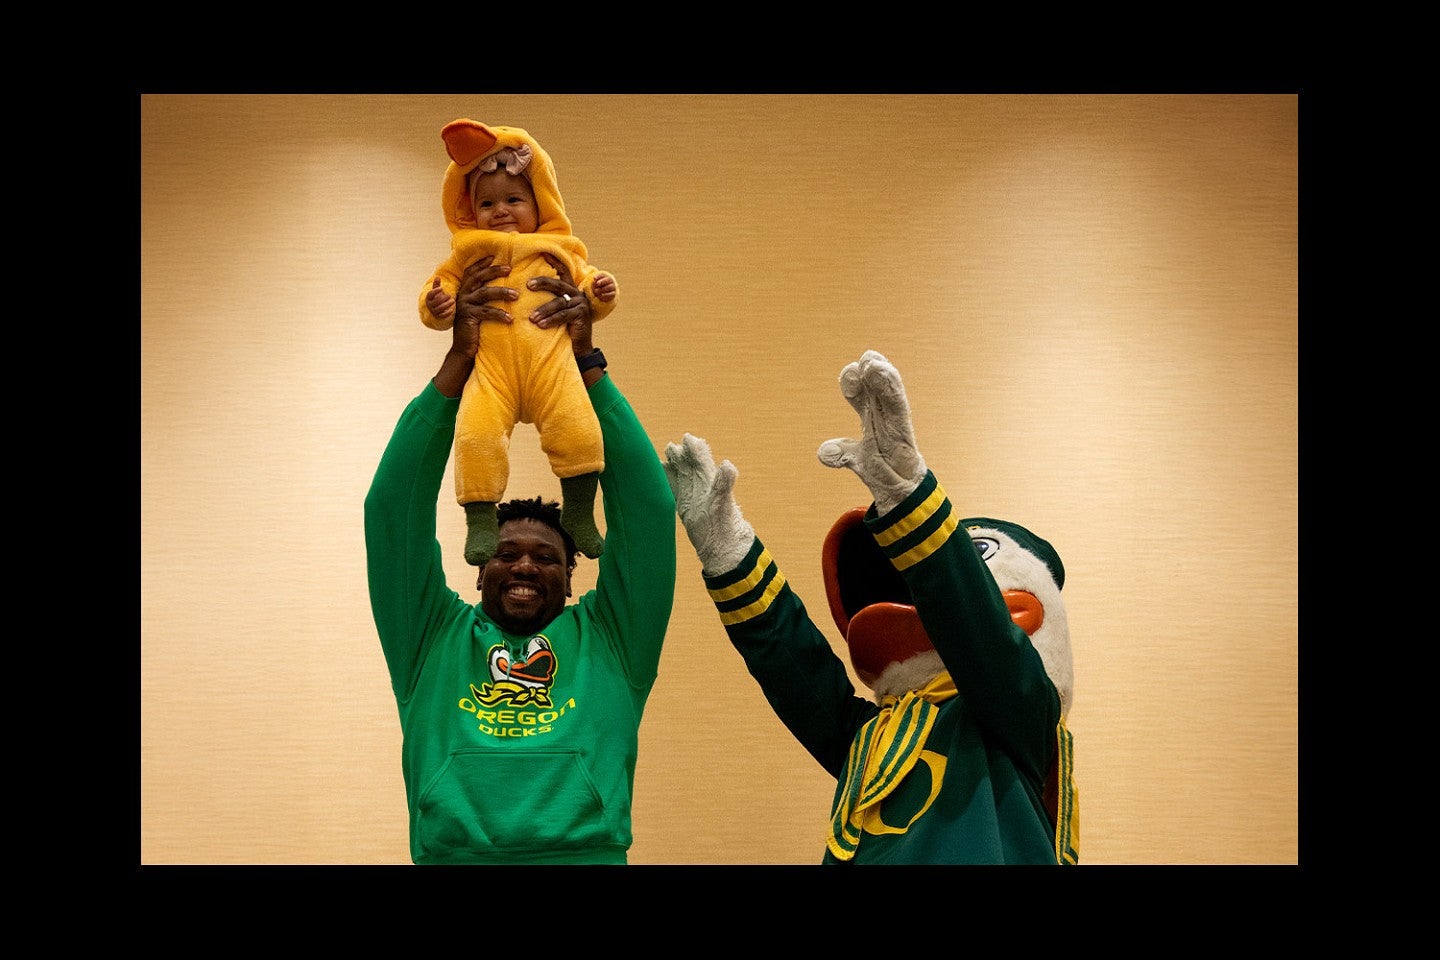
[803, 680]
[409, 598]
[635, 588]
[992, 661]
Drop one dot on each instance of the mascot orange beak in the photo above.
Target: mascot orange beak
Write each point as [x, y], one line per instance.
[872, 606]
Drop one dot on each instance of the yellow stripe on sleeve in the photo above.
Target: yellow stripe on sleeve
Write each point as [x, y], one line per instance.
[751, 581]
[929, 545]
[752, 610]
[919, 515]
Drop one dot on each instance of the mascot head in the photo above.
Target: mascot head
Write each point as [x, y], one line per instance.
[873, 609]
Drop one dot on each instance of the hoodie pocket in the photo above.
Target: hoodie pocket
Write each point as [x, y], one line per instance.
[486, 800]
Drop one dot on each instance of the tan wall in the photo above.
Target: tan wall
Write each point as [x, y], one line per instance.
[1093, 301]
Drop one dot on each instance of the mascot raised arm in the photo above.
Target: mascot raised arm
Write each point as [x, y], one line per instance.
[956, 625]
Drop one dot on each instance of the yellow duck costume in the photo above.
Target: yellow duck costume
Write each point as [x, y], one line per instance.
[523, 373]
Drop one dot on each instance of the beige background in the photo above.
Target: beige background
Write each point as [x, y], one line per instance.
[1093, 301]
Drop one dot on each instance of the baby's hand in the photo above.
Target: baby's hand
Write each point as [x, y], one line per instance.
[604, 287]
[440, 303]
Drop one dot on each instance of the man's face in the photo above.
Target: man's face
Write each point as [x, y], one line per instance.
[504, 201]
[524, 586]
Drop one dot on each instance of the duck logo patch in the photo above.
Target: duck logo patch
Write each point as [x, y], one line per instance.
[522, 679]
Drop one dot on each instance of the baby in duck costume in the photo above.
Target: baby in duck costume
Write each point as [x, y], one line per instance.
[500, 199]
[956, 625]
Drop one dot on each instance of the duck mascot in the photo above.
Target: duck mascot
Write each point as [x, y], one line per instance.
[956, 625]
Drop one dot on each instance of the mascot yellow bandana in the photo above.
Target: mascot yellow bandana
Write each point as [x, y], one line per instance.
[884, 751]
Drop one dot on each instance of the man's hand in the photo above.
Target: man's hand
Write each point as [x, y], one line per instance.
[569, 307]
[885, 457]
[472, 305]
[705, 502]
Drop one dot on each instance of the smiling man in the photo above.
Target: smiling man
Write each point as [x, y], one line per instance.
[521, 713]
[524, 586]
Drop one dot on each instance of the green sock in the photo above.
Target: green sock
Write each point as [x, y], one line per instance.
[577, 513]
[482, 533]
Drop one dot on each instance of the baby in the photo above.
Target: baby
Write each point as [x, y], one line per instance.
[500, 199]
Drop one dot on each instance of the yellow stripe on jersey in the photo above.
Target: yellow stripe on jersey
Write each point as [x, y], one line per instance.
[1067, 830]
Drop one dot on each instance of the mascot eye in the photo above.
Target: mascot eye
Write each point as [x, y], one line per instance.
[985, 547]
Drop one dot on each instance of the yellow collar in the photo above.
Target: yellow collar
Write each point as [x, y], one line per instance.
[884, 751]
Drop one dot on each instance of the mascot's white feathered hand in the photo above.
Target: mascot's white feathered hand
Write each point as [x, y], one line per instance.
[705, 502]
[885, 457]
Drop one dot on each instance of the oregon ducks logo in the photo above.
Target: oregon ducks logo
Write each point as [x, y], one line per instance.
[874, 823]
[519, 681]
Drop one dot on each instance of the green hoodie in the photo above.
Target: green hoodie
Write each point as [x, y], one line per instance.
[540, 769]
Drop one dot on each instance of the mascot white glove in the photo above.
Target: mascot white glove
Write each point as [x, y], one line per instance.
[705, 502]
[885, 456]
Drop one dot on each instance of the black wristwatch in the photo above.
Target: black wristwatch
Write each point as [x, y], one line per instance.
[591, 360]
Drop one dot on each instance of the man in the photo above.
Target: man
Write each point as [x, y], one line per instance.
[520, 714]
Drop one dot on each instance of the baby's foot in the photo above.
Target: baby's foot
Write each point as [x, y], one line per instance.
[482, 533]
[577, 513]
